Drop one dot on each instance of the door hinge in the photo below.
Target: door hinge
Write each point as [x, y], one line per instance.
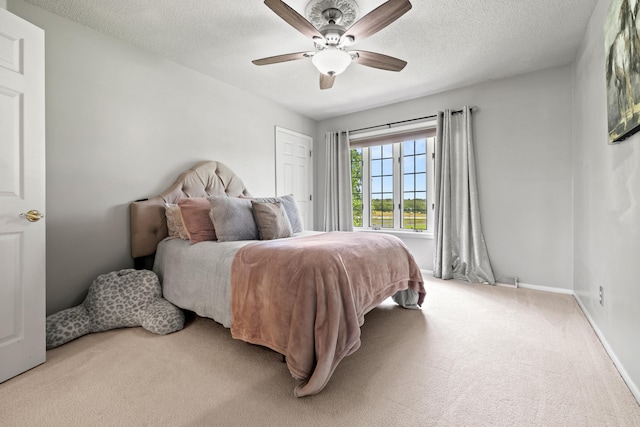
[433, 206]
[310, 197]
[310, 153]
[433, 155]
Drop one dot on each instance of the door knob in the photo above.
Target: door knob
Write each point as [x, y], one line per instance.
[32, 216]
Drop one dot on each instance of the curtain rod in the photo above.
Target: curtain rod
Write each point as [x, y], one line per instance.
[405, 121]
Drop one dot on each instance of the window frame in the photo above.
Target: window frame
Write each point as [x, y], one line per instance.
[397, 136]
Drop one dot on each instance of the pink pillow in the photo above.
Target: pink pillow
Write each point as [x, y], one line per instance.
[195, 216]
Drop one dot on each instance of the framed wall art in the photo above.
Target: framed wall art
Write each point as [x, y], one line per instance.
[622, 60]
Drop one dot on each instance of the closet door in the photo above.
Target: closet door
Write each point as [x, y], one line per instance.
[294, 171]
[22, 196]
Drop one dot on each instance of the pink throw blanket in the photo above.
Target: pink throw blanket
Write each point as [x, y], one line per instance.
[306, 297]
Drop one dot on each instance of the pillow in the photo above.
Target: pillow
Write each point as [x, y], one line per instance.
[195, 216]
[271, 219]
[290, 207]
[174, 221]
[232, 218]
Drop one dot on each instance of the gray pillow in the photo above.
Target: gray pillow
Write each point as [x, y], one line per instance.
[272, 220]
[290, 207]
[232, 218]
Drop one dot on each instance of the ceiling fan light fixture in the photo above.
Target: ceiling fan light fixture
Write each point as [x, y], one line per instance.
[347, 41]
[331, 61]
[333, 28]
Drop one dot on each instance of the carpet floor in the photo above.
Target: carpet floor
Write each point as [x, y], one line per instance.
[475, 355]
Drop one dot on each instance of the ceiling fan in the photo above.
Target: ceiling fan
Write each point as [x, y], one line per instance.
[333, 30]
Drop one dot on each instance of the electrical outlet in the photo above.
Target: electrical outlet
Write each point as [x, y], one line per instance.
[601, 296]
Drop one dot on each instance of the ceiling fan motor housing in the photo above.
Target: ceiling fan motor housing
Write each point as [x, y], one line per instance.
[332, 33]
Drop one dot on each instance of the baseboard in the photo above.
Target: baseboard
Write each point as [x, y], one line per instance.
[522, 285]
[546, 288]
[612, 354]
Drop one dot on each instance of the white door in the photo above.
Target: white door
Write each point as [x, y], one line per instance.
[22, 189]
[294, 171]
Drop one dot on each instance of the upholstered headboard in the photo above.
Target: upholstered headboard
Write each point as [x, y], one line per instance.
[148, 220]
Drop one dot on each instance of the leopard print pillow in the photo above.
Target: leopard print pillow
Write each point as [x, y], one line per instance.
[119, 299]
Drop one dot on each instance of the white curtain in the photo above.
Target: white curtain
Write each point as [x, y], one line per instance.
[338, 210]
[461, 252]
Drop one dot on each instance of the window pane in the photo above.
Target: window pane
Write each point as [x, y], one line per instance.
[387, 150]
[376, 210]
[376, 152]
[357, 210]
[387, 185]
[376, 167]
[414, 212]
[420, 214]
[387, 206]
[421, 182]
[409, 164]
[382, 210]
[421, 163]
[356, 186]
[421, 146]
[408, 148]
[408, 216]
[376, 214]
[408, 182]
[376, 185]
[387, 167]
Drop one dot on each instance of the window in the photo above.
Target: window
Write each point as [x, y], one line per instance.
[414, 174]
[391, 181]
[382, 200]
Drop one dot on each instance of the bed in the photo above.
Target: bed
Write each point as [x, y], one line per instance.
[304, 295]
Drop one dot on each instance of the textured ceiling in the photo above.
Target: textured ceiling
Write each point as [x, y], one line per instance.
[447, 44]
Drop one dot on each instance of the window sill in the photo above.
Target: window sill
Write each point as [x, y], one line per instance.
[399, 233]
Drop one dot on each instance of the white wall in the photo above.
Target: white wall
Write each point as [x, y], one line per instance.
[607, 210]
[122, 123]
[522, 131]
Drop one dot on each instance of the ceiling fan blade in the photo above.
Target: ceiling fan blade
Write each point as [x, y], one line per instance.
[326, 82]
[280, 58]
[378, 18]
[293, 18]
[378, 60]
